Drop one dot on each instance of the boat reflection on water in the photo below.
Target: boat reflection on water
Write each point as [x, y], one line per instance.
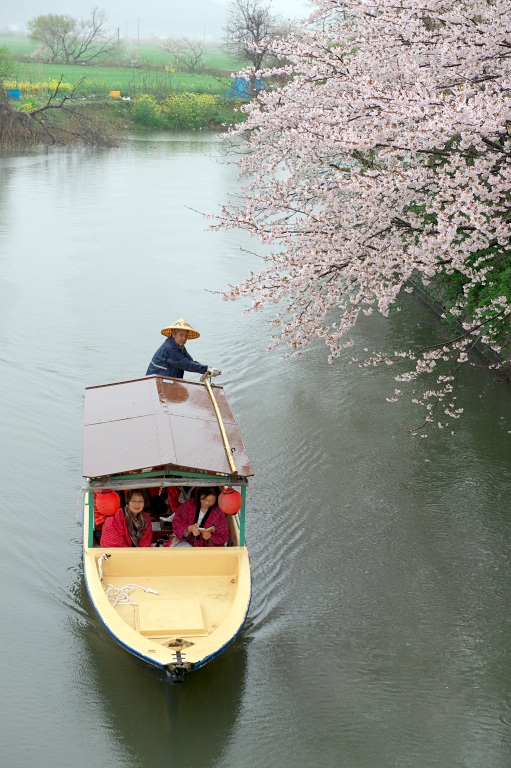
[156, 724]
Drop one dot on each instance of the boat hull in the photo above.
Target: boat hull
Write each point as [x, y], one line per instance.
[174, 608]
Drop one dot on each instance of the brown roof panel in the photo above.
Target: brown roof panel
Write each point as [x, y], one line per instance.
[155, 421]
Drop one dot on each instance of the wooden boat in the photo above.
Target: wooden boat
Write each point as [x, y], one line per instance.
[175, 608]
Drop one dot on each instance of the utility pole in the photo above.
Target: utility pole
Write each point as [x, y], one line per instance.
[138, 31]
[118, 47]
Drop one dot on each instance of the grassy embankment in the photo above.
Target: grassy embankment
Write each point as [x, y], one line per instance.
[152, 93]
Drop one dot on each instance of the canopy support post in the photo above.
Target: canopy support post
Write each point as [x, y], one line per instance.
[242, 515]
[90, 532]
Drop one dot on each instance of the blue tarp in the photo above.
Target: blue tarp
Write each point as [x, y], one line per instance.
[240, 87]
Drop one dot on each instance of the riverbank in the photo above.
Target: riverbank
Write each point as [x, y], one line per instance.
[436, 299]
[99, 122]
[146, 94]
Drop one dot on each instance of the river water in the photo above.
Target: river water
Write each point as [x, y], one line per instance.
[379, 631]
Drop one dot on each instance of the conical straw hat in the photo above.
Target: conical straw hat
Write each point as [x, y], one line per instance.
[181, 325]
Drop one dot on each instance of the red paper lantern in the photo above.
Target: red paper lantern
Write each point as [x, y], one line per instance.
[230, 501]
[107, 503]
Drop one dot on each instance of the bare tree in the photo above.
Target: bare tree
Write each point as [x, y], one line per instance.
[185, 53]
[249, 23]
[67, 40]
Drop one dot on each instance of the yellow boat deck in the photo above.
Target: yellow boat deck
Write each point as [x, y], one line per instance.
[159, 601]
[184, 605]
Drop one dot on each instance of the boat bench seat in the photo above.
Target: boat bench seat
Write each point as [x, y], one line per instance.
[171, 616]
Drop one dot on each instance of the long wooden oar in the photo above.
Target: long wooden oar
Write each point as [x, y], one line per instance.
[205, 379]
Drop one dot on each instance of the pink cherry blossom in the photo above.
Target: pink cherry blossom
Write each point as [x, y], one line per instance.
[382, 156]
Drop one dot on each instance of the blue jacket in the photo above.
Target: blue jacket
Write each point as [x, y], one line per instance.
[172, 360]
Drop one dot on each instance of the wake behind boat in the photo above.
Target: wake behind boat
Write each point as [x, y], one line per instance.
[175, 608]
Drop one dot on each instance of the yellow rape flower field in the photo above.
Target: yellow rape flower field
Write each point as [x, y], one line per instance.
[38, 89]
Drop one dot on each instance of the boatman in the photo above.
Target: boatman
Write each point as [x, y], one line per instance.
[172, 358]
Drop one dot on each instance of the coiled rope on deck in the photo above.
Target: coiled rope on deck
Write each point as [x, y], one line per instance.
[122, 595]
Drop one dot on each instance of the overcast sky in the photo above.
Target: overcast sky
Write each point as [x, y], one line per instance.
[145, 18]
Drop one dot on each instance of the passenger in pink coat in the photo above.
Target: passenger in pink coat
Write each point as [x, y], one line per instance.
[200, 522]
[131, 526]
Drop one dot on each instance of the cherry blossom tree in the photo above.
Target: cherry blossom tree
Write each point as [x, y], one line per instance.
[384, 159]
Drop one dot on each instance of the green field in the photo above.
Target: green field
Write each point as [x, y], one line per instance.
[100, 81]
[18, 46]
[215, 58]
[149, 54]
[130, 81]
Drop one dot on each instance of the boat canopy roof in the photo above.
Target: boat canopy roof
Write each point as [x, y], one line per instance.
[157, 421]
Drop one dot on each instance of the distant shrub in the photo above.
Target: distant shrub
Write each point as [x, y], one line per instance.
[147, 111]
[28, 106]
[189, 110]
[180, 110]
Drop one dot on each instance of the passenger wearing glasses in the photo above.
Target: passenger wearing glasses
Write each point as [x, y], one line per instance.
[131, 526]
